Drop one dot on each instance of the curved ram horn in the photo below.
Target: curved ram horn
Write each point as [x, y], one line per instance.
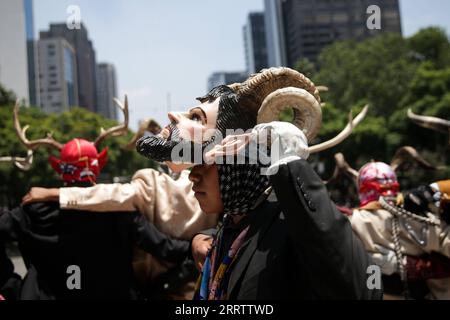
[273, 90]
[307, 110]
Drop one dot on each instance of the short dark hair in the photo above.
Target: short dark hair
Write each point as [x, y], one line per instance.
[231, 114]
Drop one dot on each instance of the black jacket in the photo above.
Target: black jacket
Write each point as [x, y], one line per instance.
[100, 244]
[299, 246]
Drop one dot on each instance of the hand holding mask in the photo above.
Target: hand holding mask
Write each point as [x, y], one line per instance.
[278, 142]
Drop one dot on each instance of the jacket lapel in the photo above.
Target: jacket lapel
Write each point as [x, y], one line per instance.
[258, 227]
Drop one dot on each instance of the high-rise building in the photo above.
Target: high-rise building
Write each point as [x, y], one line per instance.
[85, 61]
[106, 90]
[273, 18]
[302, 28]
[13, 48]
[31, 53]
[57, 75]
[221, 78]
[255, 43]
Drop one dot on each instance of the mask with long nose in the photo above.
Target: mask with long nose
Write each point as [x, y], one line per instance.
[240, 106]
[190, 134]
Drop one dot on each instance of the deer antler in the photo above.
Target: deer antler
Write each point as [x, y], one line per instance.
[34, 144]
[117, 130]
[432, 123]
[352, 123]
[342, 168]
[145, 125]
[406, 155]
[322, 88]
[22, 163]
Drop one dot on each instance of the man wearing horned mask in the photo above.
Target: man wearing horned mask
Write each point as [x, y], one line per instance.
[280, 236]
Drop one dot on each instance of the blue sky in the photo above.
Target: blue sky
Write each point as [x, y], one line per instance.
[163, 48]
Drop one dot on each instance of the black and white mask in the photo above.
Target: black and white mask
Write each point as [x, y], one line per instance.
[191, 134]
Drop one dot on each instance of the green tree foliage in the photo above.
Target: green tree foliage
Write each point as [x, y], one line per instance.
[76, 123]
[432, 45]
[6, 96]
[308, 68]
[377, 70]
[392, 74]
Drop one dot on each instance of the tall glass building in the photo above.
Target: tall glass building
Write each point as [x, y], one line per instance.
[69, 76]
[299, 29]
[57, 75]
[255, 43]
[31, 52]
[13, 48]
[106, 90]
[85, 61]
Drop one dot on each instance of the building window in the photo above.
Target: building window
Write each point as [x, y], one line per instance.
[323, 18]
[391, 14]
[340, 17]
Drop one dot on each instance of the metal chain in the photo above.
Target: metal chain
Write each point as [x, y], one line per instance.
[400, 212]
[399, 255]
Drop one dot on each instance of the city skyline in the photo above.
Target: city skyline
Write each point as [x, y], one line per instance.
[150, 43]
[300, 29]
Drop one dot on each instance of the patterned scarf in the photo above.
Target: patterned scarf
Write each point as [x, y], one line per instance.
[240, 187]
[213, 284]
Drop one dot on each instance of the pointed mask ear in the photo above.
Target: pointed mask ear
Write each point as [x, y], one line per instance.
[102, 158]
[55, 163]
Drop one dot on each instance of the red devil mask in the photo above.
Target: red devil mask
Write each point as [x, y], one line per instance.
[80, 161]
[376, 179]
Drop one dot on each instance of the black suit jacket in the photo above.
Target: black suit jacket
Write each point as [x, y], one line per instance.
[299, 246]
[100, 244]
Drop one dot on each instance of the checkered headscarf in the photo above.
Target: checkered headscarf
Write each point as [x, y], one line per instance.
[240, 187]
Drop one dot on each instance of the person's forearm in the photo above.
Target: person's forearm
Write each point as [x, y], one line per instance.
[53, 194]
[37, 194]
[100, 198]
